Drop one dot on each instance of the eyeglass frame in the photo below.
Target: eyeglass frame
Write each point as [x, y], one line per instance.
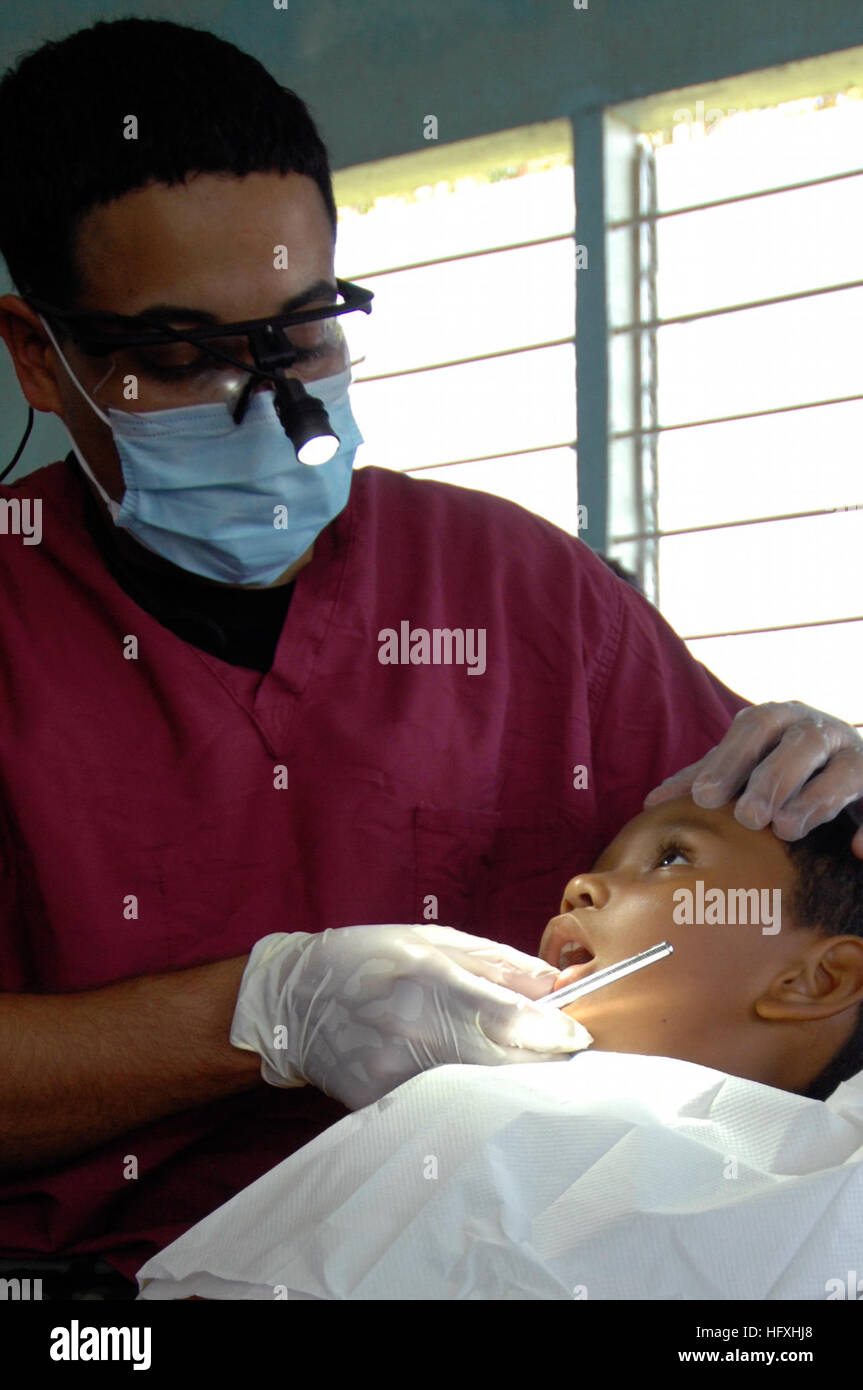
[357, 297]
[261, 333]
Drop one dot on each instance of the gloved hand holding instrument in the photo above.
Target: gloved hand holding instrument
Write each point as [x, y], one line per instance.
[355, 1011]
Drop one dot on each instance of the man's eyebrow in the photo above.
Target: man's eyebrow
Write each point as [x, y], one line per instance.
[321, 289]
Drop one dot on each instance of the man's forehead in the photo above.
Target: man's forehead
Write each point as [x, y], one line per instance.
[232, 247]
[321, 291]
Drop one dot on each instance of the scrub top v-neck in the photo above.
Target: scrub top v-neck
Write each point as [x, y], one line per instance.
[238, 633]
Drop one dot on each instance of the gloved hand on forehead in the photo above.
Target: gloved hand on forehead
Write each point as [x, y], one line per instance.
[800, 767]
[356, 1011]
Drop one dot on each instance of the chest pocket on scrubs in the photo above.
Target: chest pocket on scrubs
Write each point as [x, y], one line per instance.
[492, 874]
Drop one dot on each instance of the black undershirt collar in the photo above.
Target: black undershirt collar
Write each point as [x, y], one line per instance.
[240, 626]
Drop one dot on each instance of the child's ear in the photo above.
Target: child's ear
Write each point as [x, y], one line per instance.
[824, 980]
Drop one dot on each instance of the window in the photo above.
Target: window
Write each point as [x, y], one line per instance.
[469, 368]
[735, 296]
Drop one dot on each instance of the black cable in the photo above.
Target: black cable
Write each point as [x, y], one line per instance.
[20, 450]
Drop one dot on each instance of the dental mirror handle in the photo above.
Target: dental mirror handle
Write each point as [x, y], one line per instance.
[558, 999]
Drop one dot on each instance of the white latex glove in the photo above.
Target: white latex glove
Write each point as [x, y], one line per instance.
[800, 767]
[356, 1011]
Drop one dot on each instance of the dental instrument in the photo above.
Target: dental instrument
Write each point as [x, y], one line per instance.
[561, 997]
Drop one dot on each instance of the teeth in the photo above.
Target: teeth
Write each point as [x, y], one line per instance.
[573, 953]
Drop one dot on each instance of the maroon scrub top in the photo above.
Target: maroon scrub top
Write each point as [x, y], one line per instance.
[411, 782]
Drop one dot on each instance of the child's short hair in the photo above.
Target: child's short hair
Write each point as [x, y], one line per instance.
[828, 894]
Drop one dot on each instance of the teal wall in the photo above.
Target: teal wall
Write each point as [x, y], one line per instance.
[371, 69]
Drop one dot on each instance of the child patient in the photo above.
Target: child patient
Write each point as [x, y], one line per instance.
[616, 1174]
[779, 1006]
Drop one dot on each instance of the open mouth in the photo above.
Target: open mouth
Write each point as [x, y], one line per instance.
[576, 961]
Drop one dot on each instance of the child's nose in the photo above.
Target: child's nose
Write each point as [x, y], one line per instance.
[583, 891]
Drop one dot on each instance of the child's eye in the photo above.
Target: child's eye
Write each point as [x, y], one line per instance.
[670, 850]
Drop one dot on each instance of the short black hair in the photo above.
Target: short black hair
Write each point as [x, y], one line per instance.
[202, 106]
[623, 573]
[828, 895]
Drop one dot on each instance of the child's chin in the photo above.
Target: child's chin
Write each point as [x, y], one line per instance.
[581, 1015]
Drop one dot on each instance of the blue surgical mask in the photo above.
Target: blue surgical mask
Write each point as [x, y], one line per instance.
[228, 502]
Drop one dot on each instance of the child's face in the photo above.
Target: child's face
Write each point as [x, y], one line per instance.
[699, 1003]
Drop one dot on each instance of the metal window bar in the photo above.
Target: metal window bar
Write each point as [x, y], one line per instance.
[646, 373]
[775, 627]
[464, 256]
[650, 216]
[725, 525]
[744, 415]
[488, 458]
[694, 317]
[646, 324]
[480, 357]
[655, 215]
[362, 276]
[467, 361]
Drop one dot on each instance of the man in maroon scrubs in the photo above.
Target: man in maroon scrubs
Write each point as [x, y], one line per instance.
[216, 731]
